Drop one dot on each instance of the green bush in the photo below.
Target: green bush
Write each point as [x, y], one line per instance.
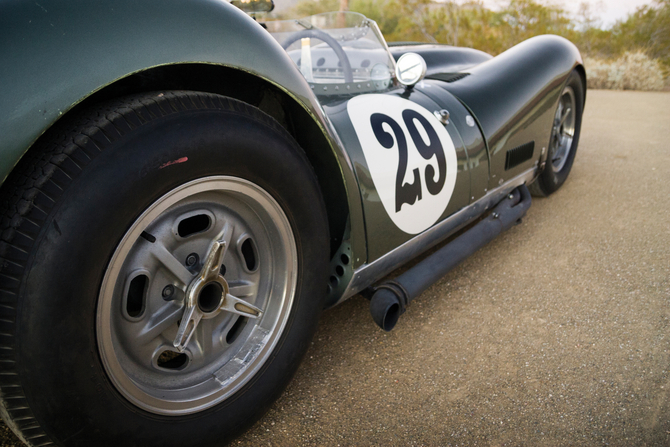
[632, 71]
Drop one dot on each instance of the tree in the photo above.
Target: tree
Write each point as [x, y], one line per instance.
[473, 25]
[647, 29]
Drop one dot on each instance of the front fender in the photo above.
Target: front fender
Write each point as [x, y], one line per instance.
[56, 53]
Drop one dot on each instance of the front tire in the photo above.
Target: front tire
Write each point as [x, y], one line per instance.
[112, 228]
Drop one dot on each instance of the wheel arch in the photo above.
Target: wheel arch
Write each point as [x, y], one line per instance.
[255, 91]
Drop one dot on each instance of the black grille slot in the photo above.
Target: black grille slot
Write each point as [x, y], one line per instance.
[519, 154]
[447, 77]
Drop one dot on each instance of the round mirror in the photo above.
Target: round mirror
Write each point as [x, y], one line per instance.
[410, 69]
[381, 76]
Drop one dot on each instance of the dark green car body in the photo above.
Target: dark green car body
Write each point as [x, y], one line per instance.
[61, 58]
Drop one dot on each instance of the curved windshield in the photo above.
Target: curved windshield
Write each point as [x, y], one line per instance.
[337, 52]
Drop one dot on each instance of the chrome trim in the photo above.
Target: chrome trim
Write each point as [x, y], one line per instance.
[368, 274]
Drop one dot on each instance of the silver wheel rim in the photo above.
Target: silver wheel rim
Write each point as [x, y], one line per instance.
[563, 130]
[155, 281]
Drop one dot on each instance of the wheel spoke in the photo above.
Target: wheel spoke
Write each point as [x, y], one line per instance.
[201, 342]
[167, 316]
[238, 306]
[565, 116]
[560, 151]
[227, 233]
[172, 264]
[243, 288]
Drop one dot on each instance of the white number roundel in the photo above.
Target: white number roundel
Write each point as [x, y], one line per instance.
[410, 155]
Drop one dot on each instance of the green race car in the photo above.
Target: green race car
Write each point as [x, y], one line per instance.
[185, 189]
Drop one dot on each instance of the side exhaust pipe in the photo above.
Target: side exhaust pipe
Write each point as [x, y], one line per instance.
[391, 298]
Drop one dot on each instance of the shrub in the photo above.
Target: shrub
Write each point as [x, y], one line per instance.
[632, 71]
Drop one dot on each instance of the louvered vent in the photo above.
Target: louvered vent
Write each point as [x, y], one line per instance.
[447, 77]
[519, 154]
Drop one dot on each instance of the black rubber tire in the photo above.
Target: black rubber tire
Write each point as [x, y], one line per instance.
[549, 181]
[65, 208]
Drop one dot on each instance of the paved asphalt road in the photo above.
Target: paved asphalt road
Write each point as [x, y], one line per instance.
[556, 333]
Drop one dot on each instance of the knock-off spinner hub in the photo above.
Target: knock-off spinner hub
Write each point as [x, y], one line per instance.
[208, 295]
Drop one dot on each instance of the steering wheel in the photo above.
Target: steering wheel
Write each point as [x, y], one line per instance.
[332, 43]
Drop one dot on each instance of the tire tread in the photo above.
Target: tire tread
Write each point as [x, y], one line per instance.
[31, 192]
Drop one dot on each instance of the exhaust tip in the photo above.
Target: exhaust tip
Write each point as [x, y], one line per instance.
[385, 308]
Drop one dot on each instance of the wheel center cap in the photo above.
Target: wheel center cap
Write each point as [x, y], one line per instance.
[210, 297]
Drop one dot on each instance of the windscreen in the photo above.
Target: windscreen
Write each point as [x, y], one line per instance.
[339, 53]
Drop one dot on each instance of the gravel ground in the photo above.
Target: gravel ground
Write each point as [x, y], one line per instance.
[556, 333]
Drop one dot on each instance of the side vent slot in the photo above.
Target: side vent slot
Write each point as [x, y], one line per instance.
[456, 77]
[447, 77]
[519, 155]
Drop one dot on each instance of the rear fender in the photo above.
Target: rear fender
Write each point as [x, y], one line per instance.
[514, 96]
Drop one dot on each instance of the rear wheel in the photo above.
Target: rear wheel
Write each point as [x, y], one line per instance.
[564, 138]
[155, 276]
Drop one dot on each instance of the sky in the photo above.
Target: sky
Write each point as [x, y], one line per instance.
[609, 11]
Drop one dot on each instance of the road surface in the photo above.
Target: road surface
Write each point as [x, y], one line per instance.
[556, 333]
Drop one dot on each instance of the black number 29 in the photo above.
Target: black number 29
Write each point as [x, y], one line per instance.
[411, 192]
